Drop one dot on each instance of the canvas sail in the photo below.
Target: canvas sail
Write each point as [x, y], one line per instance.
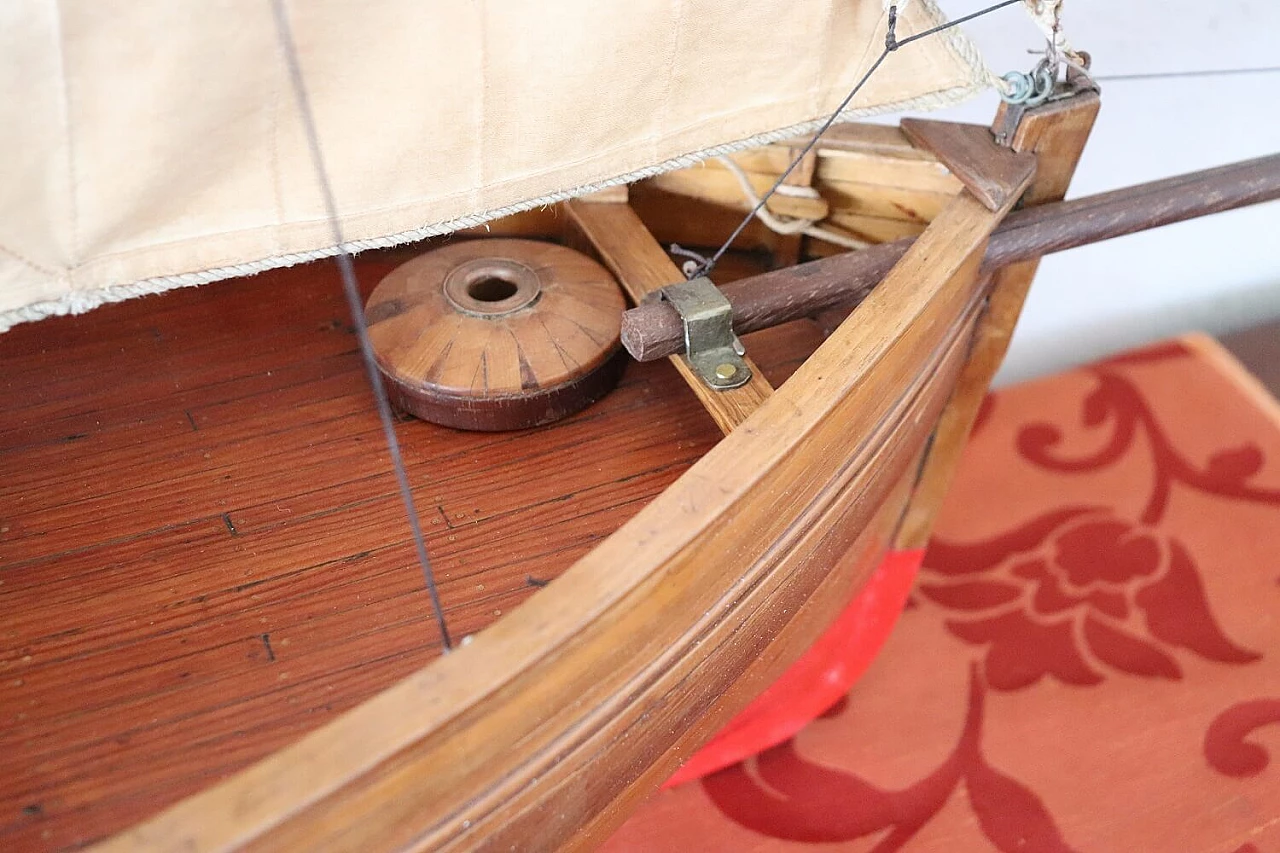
[153, 144]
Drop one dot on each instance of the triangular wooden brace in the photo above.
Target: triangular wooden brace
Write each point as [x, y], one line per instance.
[990, 171]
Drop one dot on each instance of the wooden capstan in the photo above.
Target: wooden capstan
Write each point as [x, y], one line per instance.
[497, 334]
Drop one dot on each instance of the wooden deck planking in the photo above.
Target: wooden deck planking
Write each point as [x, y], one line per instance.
[203, 555]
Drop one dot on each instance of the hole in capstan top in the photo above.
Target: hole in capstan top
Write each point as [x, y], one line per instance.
[491, 290]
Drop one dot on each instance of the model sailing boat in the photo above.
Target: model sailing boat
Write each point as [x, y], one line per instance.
[137, 171]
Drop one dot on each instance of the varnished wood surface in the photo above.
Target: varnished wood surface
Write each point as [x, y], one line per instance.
[714, 183]
[201, 552]
[881, 188]
[875, 184]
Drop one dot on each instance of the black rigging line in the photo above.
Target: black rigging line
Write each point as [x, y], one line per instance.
[964, 19]
[891, 43]
[347, 270]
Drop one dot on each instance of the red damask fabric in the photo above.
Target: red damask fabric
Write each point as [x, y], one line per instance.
[1090, 660]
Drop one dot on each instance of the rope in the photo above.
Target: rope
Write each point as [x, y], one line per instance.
[788, 224]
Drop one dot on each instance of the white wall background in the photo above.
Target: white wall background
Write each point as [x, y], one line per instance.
[1187, 84]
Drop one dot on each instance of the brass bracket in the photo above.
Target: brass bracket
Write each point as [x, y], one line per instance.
[712, 350]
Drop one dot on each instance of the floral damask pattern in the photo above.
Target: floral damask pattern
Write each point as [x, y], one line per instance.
[1079, 590]
[1072, 593]
[1226, 745]
[1075, 595]
[1118, 400]
[779, 793]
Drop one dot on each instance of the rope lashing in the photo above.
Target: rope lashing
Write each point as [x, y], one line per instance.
[788, 224]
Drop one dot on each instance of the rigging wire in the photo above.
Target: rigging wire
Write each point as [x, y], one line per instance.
[891, 43]
[347, 270]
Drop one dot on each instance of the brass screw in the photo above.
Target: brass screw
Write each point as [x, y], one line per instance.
[726, 371]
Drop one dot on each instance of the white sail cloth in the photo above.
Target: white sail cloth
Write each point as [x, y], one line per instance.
[155, 144]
